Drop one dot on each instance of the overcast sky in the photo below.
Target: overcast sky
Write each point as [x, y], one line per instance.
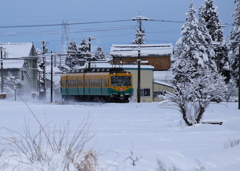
[121, 31]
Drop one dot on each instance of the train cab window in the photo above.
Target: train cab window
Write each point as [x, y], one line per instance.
[120, 81]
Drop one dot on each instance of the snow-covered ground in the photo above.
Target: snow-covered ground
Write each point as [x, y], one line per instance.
[150, 132]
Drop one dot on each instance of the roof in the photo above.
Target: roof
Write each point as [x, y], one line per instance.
[131, 50]
[16, 50]
[126, 67]
[162, 75]
[165, 83]
[12, 64]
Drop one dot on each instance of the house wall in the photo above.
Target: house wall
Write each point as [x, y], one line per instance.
[33, 73]
[159, 62]
[146, 83]
[157, 88]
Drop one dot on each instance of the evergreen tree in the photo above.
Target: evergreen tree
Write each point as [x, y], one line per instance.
[196, 81]
[235, 40]
[99, 54]
[76, 55]
[193, 48]
[208, 16]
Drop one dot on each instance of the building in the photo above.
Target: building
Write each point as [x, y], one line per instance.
[146, 81]
[157, 55]
[20, 62]
[161, 83]
[146, 78]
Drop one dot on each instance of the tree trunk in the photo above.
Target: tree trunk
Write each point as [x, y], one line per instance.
[199, 117]
[184, 114]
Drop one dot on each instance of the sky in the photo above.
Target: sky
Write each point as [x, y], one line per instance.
[109, 21]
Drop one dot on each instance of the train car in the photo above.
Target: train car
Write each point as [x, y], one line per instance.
[111, 85]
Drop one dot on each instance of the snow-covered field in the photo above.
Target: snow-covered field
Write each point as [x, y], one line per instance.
[153, 134]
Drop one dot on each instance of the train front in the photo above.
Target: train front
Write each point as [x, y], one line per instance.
[120, 86]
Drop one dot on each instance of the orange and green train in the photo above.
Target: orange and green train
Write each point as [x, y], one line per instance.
[108, 84]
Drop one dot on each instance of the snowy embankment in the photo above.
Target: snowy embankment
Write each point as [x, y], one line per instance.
[153, 136]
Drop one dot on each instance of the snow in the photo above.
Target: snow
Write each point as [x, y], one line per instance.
[12, 64]
[162, 75]
[150, 131]
[146, 50]
[16, 50]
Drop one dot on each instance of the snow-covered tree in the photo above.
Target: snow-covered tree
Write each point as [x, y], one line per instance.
[99, 54]
[72, 48]
[196, 81]
[140, 32]
[208, 16]
[194, 45]
[77, 55]
[139, 38]
[9, 83]
[84, 46]
[235, 40]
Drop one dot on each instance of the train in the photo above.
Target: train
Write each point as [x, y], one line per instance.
[106, 85]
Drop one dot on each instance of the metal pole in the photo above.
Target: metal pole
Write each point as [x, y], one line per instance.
[218, 51]
[51, 93]
[2, 83]
[44, 78]
[239, 76]
[15, 92]
[139, 78]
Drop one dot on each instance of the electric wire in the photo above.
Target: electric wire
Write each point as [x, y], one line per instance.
[58, 32]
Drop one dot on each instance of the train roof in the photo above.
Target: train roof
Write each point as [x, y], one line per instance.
[111, 70]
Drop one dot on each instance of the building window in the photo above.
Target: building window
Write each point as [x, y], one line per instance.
[5, 73]
[14, 72]
[145, 92]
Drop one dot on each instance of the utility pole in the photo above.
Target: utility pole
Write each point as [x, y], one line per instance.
[43, 67]
[2, 83]
[139, 78]
[89, 47]
[238, 75]
[51, 93]
[218, 53]
[139, 40]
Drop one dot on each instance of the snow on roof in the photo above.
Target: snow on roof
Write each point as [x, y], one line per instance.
[107, 65]
[163, 83]
[162, 75]
[16, 50]
[12, 64]
[145, 50]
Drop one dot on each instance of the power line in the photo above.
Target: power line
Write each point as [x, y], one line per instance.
[50, 25]
[92, 22]
[57, 32]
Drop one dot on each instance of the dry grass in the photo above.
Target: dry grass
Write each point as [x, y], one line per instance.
[57, 151]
